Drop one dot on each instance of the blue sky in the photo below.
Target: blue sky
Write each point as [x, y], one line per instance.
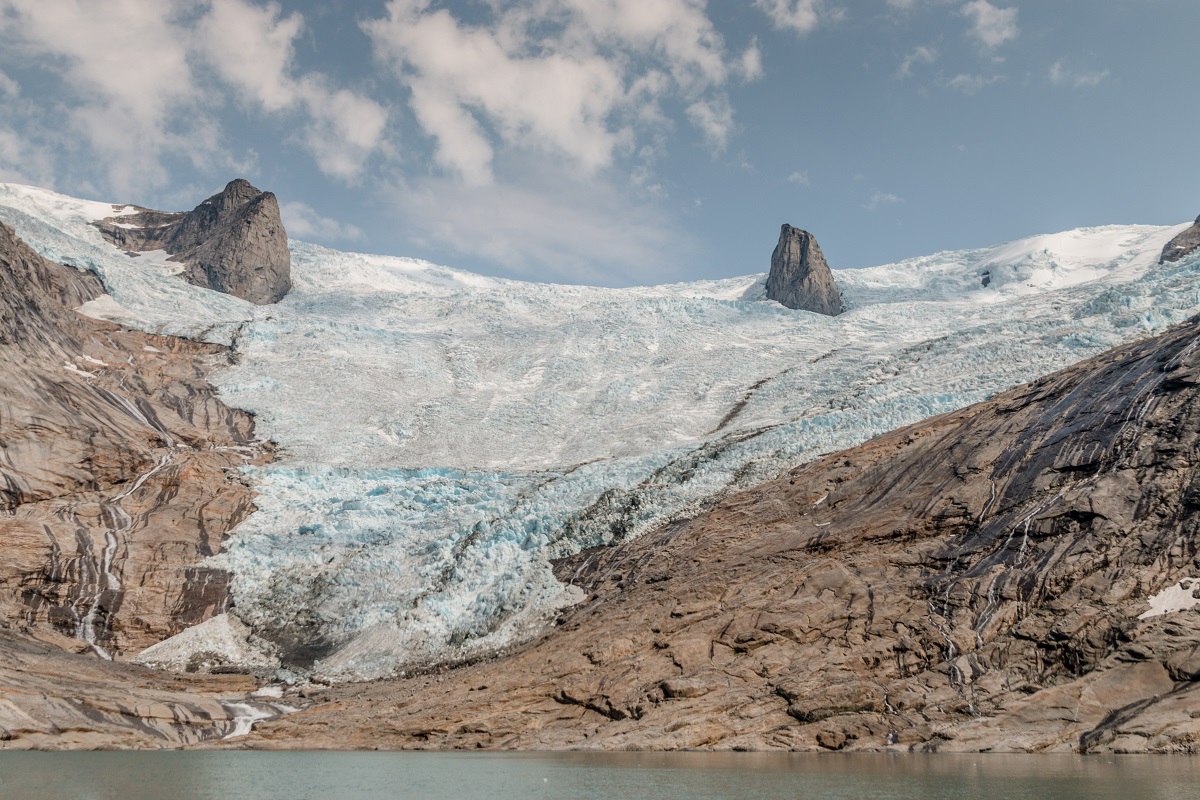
[617, 141]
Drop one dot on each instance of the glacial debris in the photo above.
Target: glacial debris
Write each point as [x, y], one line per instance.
[799, 276]
[234, 242]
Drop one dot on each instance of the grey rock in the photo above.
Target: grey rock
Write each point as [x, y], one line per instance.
[799, 277]
[234, 242]
[1182, 245]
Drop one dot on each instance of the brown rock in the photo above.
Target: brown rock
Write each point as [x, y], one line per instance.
[117, 467]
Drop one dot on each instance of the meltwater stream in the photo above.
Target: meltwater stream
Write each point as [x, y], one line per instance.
[591, 776]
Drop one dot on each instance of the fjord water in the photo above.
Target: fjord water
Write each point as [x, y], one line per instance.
[583, 776]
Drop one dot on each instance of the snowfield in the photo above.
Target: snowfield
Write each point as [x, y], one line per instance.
[446, 435]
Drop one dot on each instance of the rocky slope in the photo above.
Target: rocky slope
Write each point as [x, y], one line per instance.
[1182, 245]
[799, 277]
[117, 467]
[234, 242]
[982, 580]
[54, 700]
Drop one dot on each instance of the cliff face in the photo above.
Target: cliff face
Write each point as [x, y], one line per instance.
[799, 276]
[976, 581]
[117, 467]
[1182, 245]
[234, 242]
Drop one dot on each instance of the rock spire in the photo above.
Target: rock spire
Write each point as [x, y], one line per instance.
[799, 277]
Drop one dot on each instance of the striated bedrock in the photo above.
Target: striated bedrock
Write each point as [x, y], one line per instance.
[1182, 245]
[799, 277]
[986, 579]
[118, 467]
[55, 700]
[234, 242]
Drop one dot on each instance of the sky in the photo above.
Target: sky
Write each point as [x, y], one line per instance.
[617, 142]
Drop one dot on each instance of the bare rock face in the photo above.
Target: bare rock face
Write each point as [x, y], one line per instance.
[1021, 575]
[1182, 245]
[233, 242]
[118, 467]
[799, 276]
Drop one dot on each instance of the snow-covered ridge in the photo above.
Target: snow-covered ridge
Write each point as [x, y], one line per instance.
[446, 434]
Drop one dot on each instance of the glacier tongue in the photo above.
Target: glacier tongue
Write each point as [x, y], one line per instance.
[445, 435]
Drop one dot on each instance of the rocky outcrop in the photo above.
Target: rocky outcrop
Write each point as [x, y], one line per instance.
[1182, 245]
[55, 700]
[987, 579]
[118, 467]
[799, 276]
[233, 242]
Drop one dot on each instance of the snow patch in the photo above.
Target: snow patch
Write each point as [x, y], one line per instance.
[220, 640]
[1180, 596]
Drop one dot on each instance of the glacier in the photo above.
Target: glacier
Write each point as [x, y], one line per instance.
[445, 436]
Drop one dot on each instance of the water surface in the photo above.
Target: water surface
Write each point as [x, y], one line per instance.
[584, 776]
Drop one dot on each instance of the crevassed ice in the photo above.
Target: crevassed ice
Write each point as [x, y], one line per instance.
[446, 435]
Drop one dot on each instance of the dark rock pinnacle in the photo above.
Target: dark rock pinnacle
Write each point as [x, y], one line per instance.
[800, 278]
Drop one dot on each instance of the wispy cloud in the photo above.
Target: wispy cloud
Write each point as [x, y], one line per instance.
[968, 83]
[1063, 75]
[881, 199]
[800, 16]
[303, 222]
[800, 178]
[553, 226]
[991, 26]
[8, 86]
[918, 55]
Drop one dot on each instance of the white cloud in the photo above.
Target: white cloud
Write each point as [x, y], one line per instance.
[575, 79]
[1063, 75]
[881, 199]
[128, 67]
[991, 26]
[8, 86]
[303, 222]
[799, 177]
[251, 48]
[967, 83]
[751, 62]
[902, 5]
[800, 16]
[138, 95]
[714, 119]
[918, 55]
[553, 227]
[22, 161]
